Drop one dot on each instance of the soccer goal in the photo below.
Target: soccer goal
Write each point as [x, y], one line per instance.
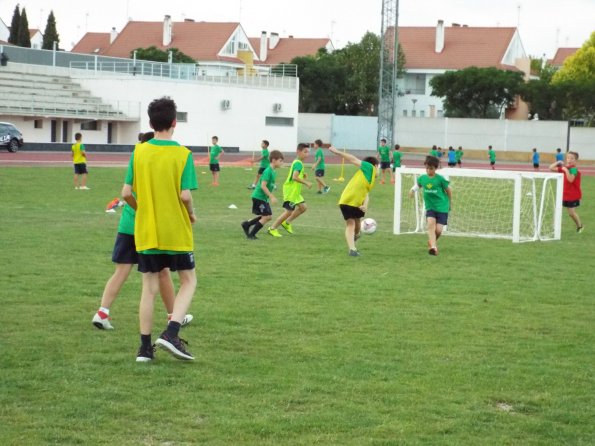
[521, 206]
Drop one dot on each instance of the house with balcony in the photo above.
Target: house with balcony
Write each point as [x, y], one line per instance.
[430, 51]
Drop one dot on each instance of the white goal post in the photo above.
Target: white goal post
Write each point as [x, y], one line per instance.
[521, 206]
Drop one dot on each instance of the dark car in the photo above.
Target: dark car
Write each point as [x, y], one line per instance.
[10, 137]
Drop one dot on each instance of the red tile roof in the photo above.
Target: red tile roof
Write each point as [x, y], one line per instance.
[561, 55]
[91, 42]
[463, 47]
[288, 48]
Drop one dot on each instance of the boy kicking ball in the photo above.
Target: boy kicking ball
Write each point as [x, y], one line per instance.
[437, 200]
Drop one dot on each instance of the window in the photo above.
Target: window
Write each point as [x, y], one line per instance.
[91, 125]
[278, 122]
[422, 113]
[414, 113]
[404, 113]
[182, 116]
[38, 124]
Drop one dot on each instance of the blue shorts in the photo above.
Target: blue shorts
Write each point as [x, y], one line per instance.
[124, 250]
[441, 217]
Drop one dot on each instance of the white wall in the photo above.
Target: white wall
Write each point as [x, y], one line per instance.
[313, 126]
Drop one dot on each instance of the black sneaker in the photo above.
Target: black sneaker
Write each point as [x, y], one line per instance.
[354, 253]
[145, 354]
[246, 228]
[175, 345]
[252, 237]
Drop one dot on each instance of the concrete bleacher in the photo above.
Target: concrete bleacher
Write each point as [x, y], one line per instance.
[38, 94]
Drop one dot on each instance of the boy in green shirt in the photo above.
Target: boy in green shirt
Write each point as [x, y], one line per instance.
[215, 151]
[263, 196]
[384, 155]
[264, 162]
[79, 159]
[318, 168]
[396, 157]
[492, 157]
[293, 202]
[459, 156]
[437, 200]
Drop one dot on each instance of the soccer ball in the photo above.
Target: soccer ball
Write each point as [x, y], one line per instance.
[368, 226]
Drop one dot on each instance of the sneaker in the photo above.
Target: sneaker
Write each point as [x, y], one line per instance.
[176, 346]
[246, 228]
[326, 189]
[354, 253]
[84, 188]
[252, 237]
[187, 319]
[287, 227]
[102, 321]
[579, 229]
[145, 354]
[433, 251]
[274, 232]
[252, 186]
[76, 187]
[319, 192]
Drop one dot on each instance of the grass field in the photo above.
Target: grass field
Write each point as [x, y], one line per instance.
[296, 343]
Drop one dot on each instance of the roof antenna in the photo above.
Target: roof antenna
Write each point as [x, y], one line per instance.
[518, 21]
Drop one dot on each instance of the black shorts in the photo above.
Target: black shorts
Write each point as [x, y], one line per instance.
[459, 162]
[571, 204]
[492, 163]
[536, 165]
[319, 173]
[214, 167]
[385, 164]
[80, 169]
[261, 170]
[124, 250]
[452, 164]
[351, 211]
[441, 217]
[153, 263]
[288, 205]
[261, 207]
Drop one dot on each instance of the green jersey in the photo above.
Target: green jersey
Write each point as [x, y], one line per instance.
[269, 175]
[214, 153]
[126, 225]
[459, 155]
[384, 152]
[434, 189]
[492, 154]
[435, 153]
[319, 155]
[264, 162]
[397, 158]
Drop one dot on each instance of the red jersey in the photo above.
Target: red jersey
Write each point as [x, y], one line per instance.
[572, 191]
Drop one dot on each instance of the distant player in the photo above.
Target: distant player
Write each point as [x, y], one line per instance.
[535, 159]
[452, 157]
[437, 200]
[355, 197]
[264, 162]
[397, 155]
[263, 196]
[572, 193]
[459, 156]
[384, 155]
[293, 202]
[79, 159]
[559, 155]
[492, 157]
[318, 168]
[215, 153]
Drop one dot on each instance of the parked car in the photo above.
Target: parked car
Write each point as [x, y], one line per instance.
[10, 137]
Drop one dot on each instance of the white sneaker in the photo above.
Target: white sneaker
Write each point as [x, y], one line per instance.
[187, 319]
[84, 188]
[102, 321]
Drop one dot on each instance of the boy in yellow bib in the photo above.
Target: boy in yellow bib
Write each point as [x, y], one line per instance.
[354, 199]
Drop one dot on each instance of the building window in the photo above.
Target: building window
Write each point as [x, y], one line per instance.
[414, 113]
[91, 125]
[404, 113]
[38, 124]
[182, 116]
[278, 122]
[422, 113]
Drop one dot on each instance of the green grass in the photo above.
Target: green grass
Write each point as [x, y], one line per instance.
[296, 343]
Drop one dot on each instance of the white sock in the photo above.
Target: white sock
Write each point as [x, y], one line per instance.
[104, 310]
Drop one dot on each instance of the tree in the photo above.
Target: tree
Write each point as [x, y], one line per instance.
[155, 54]
[14, 26]
[50, 35]
[544, 98]
[24, 39]
[477, 92]
[579, 66]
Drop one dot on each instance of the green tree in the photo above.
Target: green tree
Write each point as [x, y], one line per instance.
[155, 54]
[579, 66]
[24, 39]
[544, 98]
[477, 92]
[50, 35]
[14, 26]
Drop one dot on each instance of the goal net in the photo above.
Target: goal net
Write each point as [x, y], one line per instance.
[521, 206]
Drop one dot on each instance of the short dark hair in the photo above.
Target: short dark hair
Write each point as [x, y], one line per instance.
[432, 161]
[301, 146]
[383, 139]
[318, 142]
[372, 160]
[558, 149]
[216, 138]
[265, 142]
[397, 147]
[490, 147]
[276, 155]
[78, 136]
[140, 136]
[144, 137]
[162, 113]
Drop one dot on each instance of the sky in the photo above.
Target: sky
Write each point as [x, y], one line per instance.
[544, 25]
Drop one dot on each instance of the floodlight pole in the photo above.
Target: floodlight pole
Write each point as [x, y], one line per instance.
[387, 88]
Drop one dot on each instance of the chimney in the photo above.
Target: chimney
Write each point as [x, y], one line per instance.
[273, 41]
[263, 46]
[112, 36]
[167, 30]
[440, 36]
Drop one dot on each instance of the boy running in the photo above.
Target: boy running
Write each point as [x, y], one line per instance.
[492, 157]
[264, 162]
[262, 197]
[571, 193]
[293, 202]
[318, 168]
[437, 200]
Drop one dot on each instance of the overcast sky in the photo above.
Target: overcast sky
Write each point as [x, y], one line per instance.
[544, 24]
